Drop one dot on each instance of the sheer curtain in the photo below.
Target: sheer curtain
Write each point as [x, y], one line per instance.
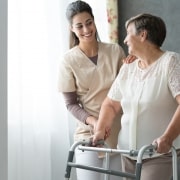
[37, 126]
[38, 131]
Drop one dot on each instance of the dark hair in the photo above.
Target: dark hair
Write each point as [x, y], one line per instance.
[73, 9]
[154, 25]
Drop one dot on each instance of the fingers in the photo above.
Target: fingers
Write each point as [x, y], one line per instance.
[155, 144]
[129, 59]
[162, 145]
[97, 137]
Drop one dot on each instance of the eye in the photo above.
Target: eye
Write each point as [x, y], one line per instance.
[79, 26]
[127, 32]
[89, 23]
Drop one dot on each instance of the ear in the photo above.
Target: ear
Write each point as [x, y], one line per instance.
[143, 35]
[71, 28]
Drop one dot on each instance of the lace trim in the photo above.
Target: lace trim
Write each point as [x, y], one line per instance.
[174, 74]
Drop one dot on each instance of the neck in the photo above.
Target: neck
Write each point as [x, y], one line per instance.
[150, 57]
[90, 49]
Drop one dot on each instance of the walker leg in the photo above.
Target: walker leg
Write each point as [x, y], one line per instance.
[138, 171]
[68, 168]
[107, 176]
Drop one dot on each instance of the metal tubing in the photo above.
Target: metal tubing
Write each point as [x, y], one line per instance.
[68, 168]
[152, 148]
[149, 149]
[102, 170]
[130, 152]
[174, 161]
[107, 164]
[138, 171]
[71, 156]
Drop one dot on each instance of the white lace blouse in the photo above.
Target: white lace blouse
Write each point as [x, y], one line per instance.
[147, 97]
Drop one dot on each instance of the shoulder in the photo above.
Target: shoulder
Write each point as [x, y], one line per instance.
[172, 55]
[71, 52]
[174, 61]
[128, 68]
[70, 56]
[171, 58]
[113, 47]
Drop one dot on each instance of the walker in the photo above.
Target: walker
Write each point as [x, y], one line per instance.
[86, 146]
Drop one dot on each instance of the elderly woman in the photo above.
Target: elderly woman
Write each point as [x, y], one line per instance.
[148, 93]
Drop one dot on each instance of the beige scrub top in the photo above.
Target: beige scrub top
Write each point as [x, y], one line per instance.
[91, 83]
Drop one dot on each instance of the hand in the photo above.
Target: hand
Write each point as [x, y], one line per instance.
[98, 135]
[163, 143]
[92, 121]
[129, 59]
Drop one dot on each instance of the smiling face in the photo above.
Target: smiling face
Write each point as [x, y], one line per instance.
[131, 38]
[84, 27]
[134, 40]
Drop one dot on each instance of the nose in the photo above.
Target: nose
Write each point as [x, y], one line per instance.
[85, 28]
[125, 41]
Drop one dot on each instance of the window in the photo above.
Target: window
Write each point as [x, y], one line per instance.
[37, 124]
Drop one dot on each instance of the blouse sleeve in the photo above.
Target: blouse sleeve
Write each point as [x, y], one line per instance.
[174, 74]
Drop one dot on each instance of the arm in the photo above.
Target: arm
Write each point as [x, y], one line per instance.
[73, 106]
[164, 142]
[173, 130]
[108, 112]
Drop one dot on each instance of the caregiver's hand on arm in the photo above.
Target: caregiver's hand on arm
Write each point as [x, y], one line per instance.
[108, 112]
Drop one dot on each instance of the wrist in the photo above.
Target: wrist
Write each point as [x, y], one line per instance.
[167, 139]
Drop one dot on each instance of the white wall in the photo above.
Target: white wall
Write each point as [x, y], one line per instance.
[3, 89]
